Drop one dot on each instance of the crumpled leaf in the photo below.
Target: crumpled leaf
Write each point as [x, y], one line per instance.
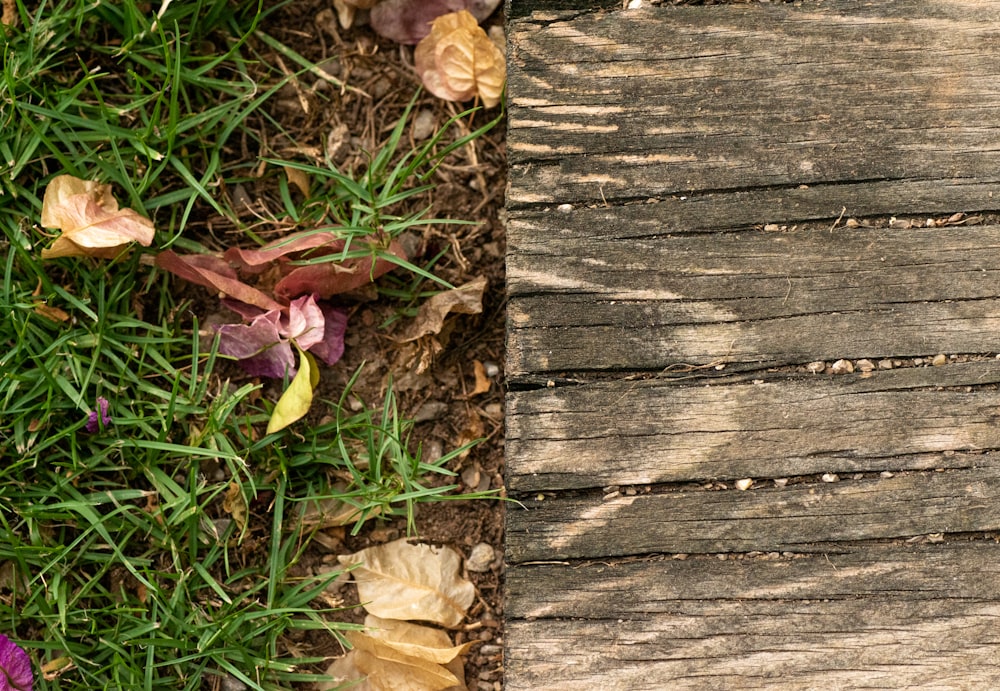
[466, 299]
[408, 21]
[215, 273]
[398, 656]
[457, 61]
[332, 512]
[295, 402]
[15, 667]
[92, 225]
[400, 580]
[331, 348]
[235, 504]
[258, 346]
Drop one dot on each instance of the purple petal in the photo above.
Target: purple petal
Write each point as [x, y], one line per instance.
[245, 310]
[305, 322]
[258, 346]
[15, 667]
[331, 348]
[93, 425]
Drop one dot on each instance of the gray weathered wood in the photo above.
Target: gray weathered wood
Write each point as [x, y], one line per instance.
[883, 617]
[658, 431]
[628, 105]
[754, 296]
[809, 516]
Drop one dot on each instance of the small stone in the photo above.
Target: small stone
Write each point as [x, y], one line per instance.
[471, 476]
[431, 410]
[939, 359]
[816, 367]
[480, 558]
[433, 450]
[829, 477]
[424, 124]
[852, 223]
[918, 361]
[772, 228]
[886, 474]
[885, 364]
[744, 484]
[230, 683]
[780, 481]
[612, 495]
[490, 369]
[842, 367]
[865, 365]
[564, 208]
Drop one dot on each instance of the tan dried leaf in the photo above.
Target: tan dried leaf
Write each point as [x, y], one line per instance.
[457, 60]
[399, 580]
[466, 299]
[92, 225]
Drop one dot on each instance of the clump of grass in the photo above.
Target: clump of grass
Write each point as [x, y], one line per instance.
[162, 550]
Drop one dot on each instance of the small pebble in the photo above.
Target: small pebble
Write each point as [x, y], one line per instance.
[865, 365]
[816, 367]
[886, 474]
[612, 495]
[780, 482]
[939, 359]
[829, 477]
[564, 208]
[917, 361]
[842, 367]
[491, 369]
[424, 124]
[431, 410]
[744, 484]
[480, 558]
[885, 364]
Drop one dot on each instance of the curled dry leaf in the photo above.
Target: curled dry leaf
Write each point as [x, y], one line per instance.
[408, 21]
[466, 299]
[399, 580]
[92, 225]
[457, 61]
[399, 656]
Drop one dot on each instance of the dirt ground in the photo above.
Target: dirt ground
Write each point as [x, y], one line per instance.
[435, 379]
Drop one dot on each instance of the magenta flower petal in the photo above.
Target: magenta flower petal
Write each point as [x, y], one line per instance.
[259, 346]
[93, 425]
[331, 348]
[305, 322]
[15, 667]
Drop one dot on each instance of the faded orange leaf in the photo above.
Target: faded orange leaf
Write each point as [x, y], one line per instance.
[457, 60]
[92, 225]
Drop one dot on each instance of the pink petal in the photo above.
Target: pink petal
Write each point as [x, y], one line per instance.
[305, 322]
[258, 346]
[15, 667]
[331, 348]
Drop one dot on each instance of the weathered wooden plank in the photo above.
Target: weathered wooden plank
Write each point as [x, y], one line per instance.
[753, 296]
[627, 105]
[807, 516]
[655, 431]
[883, 617]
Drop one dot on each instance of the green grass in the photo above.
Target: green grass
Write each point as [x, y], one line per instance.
[120, 565]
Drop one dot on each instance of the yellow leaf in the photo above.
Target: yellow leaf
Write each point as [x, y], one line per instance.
[92, 225]
[235, 504]
[295, 402]
[457, 60]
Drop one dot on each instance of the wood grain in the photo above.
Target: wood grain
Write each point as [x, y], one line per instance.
[754, 296]
[640, 432]
[808, 516]
[628, 105]
[883, 617]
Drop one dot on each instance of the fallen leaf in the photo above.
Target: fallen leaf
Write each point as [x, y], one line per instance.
[410, 639]
[344, 670]
[333, 512]
[466, 299]
[457, 61]
[215, 273]
[299, 178]
[295, 402]
[400, 580]
[259, 346]
[235, 504]
[9, 17]
[408, 21]
[482, 381]
[50, 312]
[92, 225]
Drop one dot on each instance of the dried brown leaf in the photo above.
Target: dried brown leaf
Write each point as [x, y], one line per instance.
[400, 580]
[92, 225]
[457, 60]
[466, 299]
